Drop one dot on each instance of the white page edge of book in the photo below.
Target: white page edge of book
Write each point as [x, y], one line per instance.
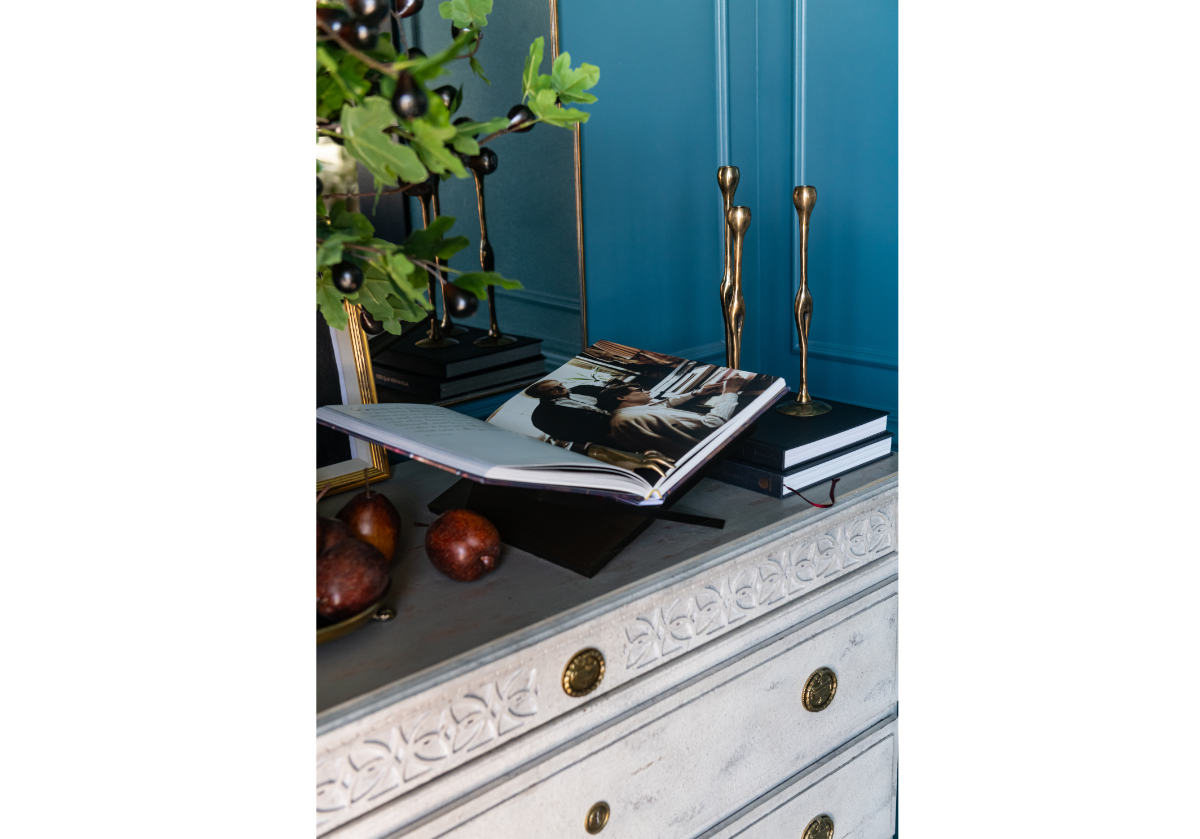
[833, 442]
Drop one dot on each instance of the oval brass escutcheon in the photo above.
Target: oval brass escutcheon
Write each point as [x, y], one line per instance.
[819, 828]
[597, 817]
[583, 672]
[819, 689]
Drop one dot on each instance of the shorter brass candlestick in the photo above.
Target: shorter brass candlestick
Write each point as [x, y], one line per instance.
[738, 222]
[481, 165]
[727, 181]
[436, 337]
[804, 198]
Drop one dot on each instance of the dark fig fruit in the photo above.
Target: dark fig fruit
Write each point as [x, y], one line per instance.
[460, 303]
[369, 324]
[347, 277]
[358, 35]
[330, 531]
[518, 116]
[351, 575]
[485, 162]
[462, 544]
[405, 8]
[374, 519]
[451, 96]
[369, 12]
[334, 20]
[409, 100]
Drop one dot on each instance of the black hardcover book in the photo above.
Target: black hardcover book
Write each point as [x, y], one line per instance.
[822, 468]
[780, 442]
[400, 352]
[435, 389]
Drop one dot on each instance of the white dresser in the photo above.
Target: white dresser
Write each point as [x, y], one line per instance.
[732, 682]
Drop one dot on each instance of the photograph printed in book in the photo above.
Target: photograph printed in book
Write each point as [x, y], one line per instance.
[613, 401]
[613, 421]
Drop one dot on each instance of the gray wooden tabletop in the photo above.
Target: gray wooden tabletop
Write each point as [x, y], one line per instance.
[443, 627]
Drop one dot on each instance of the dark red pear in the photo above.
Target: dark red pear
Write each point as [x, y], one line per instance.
[351, 575]
[373, 518]
[462, 544]
[330, 531]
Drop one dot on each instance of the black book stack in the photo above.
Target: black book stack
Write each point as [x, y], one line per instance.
[405, 372]
[781, 454]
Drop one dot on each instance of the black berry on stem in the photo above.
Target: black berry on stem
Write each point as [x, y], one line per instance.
[451, 96]
[347, 277]
[518, 116]
[485, 162]
[334, 19]
[461, 303]
[405, 8]
[409, 100]
[369, 12]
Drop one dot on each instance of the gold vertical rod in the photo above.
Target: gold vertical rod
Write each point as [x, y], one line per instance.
[578, 165]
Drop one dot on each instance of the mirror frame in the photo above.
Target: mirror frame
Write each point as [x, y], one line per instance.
[356, 380]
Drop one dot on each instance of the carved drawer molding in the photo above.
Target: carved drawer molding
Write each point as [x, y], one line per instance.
[387, 753]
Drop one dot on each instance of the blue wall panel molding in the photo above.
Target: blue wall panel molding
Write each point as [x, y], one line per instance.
[787, 91]
[541, 299]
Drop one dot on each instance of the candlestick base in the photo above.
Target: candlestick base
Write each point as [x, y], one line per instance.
[453, 329]
[435, 343]
[812, 408]
[497, 341]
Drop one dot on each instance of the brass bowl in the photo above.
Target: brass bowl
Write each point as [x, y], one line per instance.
[376, 610]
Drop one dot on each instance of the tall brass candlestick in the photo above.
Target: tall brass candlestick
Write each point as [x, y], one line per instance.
[481, 165]
[804, 198]
[436, 337]
[448, 326]
[738, 221]
[727, 180]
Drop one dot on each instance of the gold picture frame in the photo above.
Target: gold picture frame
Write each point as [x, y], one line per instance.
[368, 462]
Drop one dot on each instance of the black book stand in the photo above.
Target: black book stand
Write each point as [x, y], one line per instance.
[577, 532]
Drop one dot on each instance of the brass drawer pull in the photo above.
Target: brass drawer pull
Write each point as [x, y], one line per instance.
[597, 817]
[583, 672]
[819, 828]
[819, 690]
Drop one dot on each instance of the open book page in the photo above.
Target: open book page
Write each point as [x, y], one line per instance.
[651, 412]
[464, 444]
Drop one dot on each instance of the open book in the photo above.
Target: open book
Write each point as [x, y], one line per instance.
[613, 421]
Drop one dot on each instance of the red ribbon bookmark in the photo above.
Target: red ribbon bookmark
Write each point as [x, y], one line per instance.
[832, 486]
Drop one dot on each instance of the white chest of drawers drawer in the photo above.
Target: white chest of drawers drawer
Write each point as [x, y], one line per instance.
[708, 638]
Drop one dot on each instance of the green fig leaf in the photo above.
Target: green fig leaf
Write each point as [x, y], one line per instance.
[387, 160]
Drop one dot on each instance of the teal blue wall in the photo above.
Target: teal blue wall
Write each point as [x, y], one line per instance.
[791, 93]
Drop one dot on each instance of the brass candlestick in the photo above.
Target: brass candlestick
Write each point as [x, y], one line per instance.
[738, 222]
[428, 215]
[481, 165]
[727, 180]
[805, 198]
[436, 337]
